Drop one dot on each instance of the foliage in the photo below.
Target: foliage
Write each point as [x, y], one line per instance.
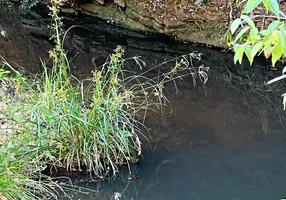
[28, 4]
[251, 40]
[18, 173]
[22, 159]
[90, 129]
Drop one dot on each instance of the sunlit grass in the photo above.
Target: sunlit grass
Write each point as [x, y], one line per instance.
[20, 177]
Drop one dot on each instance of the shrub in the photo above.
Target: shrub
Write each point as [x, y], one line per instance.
[251, 40]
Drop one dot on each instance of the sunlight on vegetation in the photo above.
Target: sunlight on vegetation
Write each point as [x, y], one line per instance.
[3, 33]
[253, 34]
[53, 121]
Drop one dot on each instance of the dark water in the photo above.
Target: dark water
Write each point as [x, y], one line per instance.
[220, 141]
[209, 148]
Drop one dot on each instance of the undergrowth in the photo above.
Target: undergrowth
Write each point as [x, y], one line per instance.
[20, 178]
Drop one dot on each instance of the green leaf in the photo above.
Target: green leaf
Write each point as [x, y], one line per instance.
[241, 33]
[247, 51]
[251, 5]
[266, 4]
[283, 33]
[248, 20]
[268, 46]
[264, 32]
[276, 54]
[273, 26]
[253, 35]
[235, 24]
[281, 39]
[267, 43]
[274, 7]
[239, 50]
[278, 49]
[257, 47]
[281, 27]
[228, 37]
[127, 133]
[274, 37]
[284, 52]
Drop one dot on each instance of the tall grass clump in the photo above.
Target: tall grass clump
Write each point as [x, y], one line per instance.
[82, 131]
[94, 128]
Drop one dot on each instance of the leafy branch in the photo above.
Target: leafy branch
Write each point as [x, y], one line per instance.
[247, 39]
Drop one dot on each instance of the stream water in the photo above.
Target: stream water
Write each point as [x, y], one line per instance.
[219, 142]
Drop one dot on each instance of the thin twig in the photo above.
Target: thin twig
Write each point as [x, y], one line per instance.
[276, 79]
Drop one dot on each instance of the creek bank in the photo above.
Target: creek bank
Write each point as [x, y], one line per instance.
[183, 20]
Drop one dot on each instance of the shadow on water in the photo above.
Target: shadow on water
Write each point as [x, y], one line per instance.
[218, 142]
[210, 147]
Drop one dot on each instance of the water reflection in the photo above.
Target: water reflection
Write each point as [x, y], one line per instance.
[209, 148]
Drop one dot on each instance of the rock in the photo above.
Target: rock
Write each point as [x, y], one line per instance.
[120, 3]
[182, 19]
[146, 21]
[100, 1]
